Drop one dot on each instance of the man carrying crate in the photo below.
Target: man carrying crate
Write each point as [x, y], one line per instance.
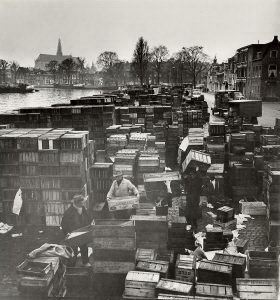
[121, 187]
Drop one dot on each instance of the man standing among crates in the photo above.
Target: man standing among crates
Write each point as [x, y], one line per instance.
[75, 217]
[122, 187]
[193, 188]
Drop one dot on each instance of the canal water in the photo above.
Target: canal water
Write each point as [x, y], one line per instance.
[45, 97]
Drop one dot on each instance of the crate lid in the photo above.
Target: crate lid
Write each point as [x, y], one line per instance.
[143, 276]
[230, 259]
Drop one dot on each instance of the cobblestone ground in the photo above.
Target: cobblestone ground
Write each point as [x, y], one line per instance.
[256, 230]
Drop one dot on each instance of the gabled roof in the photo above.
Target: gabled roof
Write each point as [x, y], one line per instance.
[49, 57]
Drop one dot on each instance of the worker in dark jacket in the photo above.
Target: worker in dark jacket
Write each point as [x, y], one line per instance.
[193, 187]
[75, 217]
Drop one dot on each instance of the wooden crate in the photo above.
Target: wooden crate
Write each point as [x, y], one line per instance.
[161, 267]
[253, 208]
[117, 243]
[238, 263]
[123, 203]
[112, 267]
[225, 214]
[262, 264]
[174, 286]
[145, 254]
[113, 255]
[257, 288]
[184, 268]
[148, 223]
[214, 290]
[241, 245]
[141, 284]
[214, 272]
[184, 297]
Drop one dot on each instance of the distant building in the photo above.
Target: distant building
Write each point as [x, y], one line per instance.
[258, 70]
[221, 76]
[43, 59]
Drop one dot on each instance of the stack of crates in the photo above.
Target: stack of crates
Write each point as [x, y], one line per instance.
[149, 118]
[172, 144]
[216, 146]
[243, 181]
[192, 119]
[50, 167]
[159, 132]
[116, 142]
[101, 179]
[9, 166]
[160, 147]
[49, 147]
[137, 141]
[147, 163]
[126, 162]
[30, 181]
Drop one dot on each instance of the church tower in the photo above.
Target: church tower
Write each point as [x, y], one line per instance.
[59, 49]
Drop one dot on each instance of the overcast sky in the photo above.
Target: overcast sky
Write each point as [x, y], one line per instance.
[88, 27]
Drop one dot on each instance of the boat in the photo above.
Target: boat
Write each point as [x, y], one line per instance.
[16, 88]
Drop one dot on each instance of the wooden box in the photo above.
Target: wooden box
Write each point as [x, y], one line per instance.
[148, 223]
[225, 214]
[184, 268]
[262, 264]
[253, 208]
[241, 245]
[174, 287]
[31, 268]
[161, 267]
[123, 203]
[214, 272]
[112, 267]
[214, 234]
[145, 254]
[214, 290]
[141, 284]
[238, 263]
[257, 289]
[78, 277]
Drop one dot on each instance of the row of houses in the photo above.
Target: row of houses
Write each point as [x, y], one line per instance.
[254, 70]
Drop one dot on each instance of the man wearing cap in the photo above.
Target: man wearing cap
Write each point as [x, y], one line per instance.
[121, 187]
[75, 217]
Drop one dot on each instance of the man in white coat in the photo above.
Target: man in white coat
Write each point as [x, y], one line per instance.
[121, 187]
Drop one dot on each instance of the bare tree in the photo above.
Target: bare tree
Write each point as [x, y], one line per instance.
[14, 69]
[81, 67]
[112, 67]
[68, 67]
[107, 59]
[195, 61]
[158, 56]
[140, 59]
[52, 67]
[3, 67]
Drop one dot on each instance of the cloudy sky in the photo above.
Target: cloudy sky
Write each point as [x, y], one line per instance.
[88, 27]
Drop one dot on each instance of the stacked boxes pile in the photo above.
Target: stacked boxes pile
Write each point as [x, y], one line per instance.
[50, 167]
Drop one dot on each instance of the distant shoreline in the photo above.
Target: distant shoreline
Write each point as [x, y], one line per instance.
[75, 88]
